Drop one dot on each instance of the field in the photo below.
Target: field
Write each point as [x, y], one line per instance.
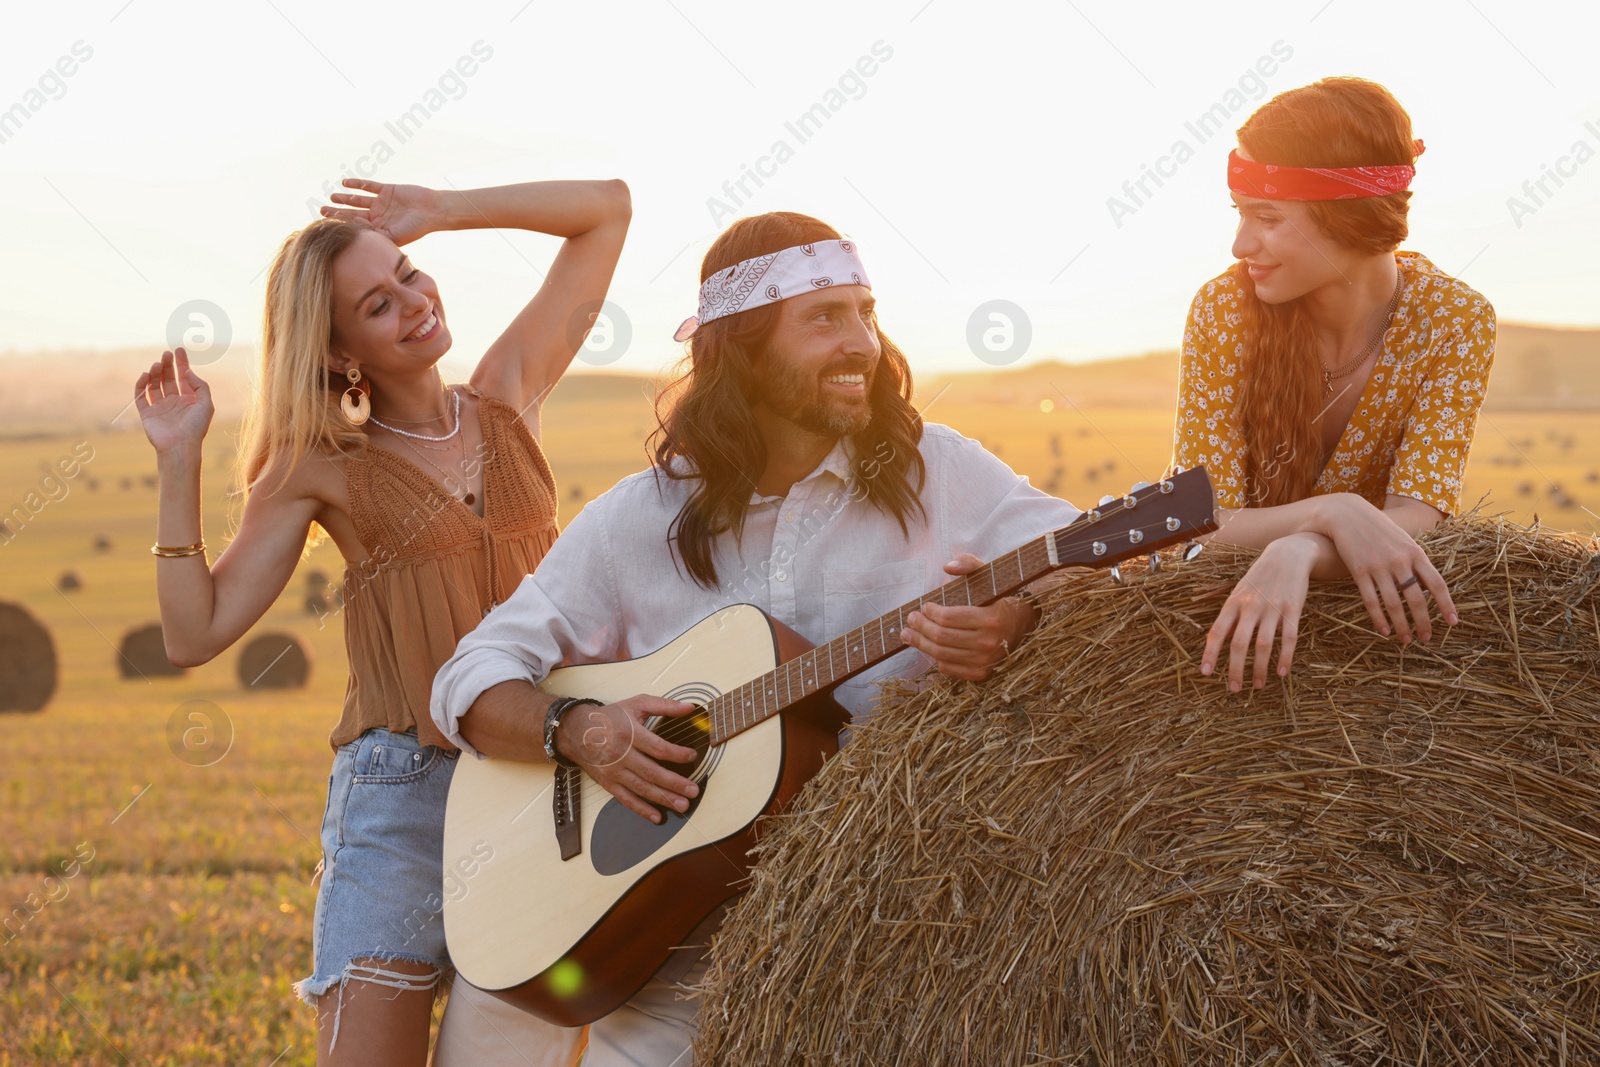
[179, 937]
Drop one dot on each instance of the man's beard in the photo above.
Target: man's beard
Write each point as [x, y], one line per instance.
[792, 395]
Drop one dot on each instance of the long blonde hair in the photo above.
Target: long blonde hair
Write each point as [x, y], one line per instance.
[295, 409]
[1335, 122]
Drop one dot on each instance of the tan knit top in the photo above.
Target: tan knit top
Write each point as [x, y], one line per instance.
[435, 568]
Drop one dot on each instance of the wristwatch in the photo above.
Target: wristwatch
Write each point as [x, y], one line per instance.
[552, 721]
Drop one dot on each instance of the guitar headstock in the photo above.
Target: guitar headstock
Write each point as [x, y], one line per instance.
[1145, 520]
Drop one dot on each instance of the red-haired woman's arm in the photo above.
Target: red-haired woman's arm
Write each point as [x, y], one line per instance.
[1344, 537]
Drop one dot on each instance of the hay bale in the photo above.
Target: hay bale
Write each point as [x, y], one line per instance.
[102, 543]
[27, 661]
[316, 605]
[143, 654]
[317, 581]
[275, 661]
[69, 582]
[1101, 857]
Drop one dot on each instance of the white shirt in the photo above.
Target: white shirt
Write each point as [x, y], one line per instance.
[821, 559]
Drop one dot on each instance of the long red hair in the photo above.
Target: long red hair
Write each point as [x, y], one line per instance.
[1335, 122]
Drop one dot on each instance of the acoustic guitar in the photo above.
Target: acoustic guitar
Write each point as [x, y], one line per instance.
[565, 902]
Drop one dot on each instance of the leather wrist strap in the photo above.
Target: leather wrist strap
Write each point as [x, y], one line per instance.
[552, 721]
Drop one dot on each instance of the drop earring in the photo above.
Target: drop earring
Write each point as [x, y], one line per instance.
[357, 408]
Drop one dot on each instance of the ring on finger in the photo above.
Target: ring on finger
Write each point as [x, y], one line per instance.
[1413, 580]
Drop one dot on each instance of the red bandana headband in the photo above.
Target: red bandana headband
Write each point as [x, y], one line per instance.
[1270, 182]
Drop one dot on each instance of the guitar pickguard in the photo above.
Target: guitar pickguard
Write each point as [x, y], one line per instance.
[622, 839]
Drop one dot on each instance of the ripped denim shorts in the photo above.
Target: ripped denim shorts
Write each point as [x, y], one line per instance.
[381, 897]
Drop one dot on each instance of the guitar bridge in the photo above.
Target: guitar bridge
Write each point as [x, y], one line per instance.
[567, 805]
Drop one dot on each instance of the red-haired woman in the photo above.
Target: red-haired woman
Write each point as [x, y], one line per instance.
[1329, 383]
[440, 500]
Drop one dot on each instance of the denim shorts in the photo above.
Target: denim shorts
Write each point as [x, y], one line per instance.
[381, 897]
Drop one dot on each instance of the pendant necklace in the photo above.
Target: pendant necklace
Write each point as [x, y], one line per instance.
[1329, 376]
[470, 498]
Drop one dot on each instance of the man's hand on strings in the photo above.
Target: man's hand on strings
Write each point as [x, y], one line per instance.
[614, 747]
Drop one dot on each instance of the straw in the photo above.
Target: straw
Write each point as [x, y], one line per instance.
[1102, 857]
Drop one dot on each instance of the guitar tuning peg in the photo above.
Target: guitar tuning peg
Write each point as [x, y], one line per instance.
[1155, 563]
[1191, 549]
[1140, 485]
[1116, 574]
[1106, 500]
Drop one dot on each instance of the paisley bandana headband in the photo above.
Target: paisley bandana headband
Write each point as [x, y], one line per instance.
[773, 277]
[1269, 182]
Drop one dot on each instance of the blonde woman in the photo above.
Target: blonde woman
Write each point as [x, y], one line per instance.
[440, 501]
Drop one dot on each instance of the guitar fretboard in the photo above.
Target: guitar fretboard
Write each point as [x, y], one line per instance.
[851, 653]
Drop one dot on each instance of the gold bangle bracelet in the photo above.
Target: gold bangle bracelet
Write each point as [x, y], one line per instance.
[173, 553]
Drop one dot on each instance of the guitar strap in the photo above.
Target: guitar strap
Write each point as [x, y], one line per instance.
[568, 811]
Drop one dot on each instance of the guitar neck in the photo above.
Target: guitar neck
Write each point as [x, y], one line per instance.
[1147, 519]
[849, 654]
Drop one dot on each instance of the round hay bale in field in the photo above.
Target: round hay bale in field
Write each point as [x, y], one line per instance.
[143, 654]
[316, 604]
[274, 661]
[27, 660]
[316, 581]
[69, 582]
[1102, 857]
[102, 543]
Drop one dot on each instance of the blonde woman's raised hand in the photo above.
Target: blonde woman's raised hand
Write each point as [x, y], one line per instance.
[402, 212]
[174, 403]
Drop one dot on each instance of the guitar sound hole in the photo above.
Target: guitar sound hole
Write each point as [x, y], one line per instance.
[622, 839]
[690, 731]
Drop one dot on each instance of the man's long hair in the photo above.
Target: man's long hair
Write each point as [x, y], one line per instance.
[704, 415]
[1335, 122]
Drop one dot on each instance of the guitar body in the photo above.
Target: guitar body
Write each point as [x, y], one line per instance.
[571, 940]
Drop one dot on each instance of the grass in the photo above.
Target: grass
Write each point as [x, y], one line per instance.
[177, 943]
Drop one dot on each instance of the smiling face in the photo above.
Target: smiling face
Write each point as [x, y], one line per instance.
[386, 314]
[1287, 254]
[821, 357]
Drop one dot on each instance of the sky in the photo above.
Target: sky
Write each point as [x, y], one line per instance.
[157, 153]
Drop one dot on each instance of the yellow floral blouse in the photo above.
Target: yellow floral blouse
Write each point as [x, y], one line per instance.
[1412, 427]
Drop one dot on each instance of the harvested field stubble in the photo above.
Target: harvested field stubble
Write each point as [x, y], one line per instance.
[1100, 857]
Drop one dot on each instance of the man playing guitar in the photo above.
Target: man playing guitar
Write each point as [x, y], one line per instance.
[791, 472]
